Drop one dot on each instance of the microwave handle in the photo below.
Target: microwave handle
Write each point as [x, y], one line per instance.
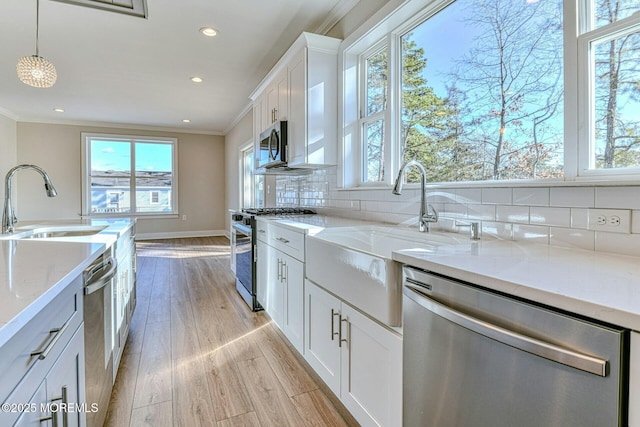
[273, 143]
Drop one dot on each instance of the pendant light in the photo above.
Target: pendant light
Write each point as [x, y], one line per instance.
[34, 70]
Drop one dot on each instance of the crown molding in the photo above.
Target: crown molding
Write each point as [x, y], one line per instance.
[335, 15]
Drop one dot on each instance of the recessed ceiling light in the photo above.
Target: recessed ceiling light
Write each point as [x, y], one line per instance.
[186, 121]
[59, 110]
[208, 31]
[197, 79]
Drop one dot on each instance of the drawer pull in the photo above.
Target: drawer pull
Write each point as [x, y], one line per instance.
[282, 239]
[261, 231]
[42, 354]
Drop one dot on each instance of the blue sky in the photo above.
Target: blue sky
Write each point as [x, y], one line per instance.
[114, 155]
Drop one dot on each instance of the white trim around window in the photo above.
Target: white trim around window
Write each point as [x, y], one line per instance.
[395, 18]
[128, 204]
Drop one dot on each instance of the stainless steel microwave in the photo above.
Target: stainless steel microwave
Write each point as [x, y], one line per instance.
[272, 150]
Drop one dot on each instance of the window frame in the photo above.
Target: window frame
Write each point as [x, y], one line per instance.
[398, 17]
[87, 137]
[586, 93]
[365, 119]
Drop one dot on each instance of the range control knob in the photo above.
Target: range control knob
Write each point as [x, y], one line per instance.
[237, 217]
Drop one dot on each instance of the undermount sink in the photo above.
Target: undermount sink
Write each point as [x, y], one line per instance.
[56, 232]
[355, 264]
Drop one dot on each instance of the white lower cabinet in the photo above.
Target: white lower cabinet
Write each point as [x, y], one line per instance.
[359, 359]
[293, 294]
[280, 279]
[59, 399]
[270, 290]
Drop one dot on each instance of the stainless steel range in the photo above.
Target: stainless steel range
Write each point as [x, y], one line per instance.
[243, 239]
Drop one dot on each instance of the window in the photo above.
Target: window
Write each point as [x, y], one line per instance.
[128, 175]
[252, 193]
[610, 75]
[487, 90]
[154, 197]
[373, 110]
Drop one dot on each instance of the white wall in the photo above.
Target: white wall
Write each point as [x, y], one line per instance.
[8, 148]
[234, 140]
[56, 148]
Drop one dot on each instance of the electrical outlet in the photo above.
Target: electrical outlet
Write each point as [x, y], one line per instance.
[611, 220]
[184, 217]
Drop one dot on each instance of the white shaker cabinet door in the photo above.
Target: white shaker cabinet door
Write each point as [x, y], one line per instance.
[371, 386]
[293, 316]
[322, 319]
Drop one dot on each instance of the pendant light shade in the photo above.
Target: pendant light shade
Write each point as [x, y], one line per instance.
[34, 70]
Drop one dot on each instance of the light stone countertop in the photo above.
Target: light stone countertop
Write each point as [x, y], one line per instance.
[34, 271]
[599, 285]
[593, 284]
[310, 224]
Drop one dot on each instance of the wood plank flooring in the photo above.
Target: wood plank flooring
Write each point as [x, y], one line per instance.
[197, 356]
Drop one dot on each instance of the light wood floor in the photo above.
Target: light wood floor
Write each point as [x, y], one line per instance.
[196, 355]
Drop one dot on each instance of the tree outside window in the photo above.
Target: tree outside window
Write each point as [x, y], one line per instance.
[482, 91]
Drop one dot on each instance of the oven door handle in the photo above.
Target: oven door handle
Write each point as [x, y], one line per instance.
[514, 339]
[243, 229]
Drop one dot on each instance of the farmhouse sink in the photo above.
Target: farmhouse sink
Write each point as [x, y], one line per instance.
[355, 264]
[55, 232]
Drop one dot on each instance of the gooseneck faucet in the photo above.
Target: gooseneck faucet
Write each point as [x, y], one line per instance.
[8, 216]
[427, 212]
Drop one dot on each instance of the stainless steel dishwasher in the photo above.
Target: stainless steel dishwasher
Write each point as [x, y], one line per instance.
[98, 335]
[473, 357]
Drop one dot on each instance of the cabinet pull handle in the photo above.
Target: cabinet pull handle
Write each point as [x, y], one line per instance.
[343, 340]
[65, 413]
[275, 115]
[282, 239]
[279, 269]
[333, 332]
[285, 271]
[261, 231]
[42, 354]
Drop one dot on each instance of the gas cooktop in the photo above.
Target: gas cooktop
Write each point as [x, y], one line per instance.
[279, 211]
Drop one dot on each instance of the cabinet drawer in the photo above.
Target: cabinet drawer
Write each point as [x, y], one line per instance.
[288, 241]
[262, 230]
[48, 332]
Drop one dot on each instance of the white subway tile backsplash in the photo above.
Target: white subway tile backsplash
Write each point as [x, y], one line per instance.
[552, 215]
[457, 210]
[618, 197]
[533, 233]
[559, 217]
[518, 214]
[579, 218]
[468, 195]
[531, 196]
[572, 238]
[624, 244]
[578, 197]
[500, 230]
[482, 212]
[440, 196]
[497, 196]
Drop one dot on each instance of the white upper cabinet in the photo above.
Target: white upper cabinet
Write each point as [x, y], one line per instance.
[302, 89]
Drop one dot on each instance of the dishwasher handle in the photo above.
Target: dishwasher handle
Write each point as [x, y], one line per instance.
[91, 285]
[522, 342]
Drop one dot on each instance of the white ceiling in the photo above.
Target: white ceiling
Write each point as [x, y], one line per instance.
[119, 69]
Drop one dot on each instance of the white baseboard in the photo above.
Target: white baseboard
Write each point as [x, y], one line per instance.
[181, 234]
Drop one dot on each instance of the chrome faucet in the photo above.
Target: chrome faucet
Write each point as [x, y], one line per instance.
[8, 216]
[427, 212]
